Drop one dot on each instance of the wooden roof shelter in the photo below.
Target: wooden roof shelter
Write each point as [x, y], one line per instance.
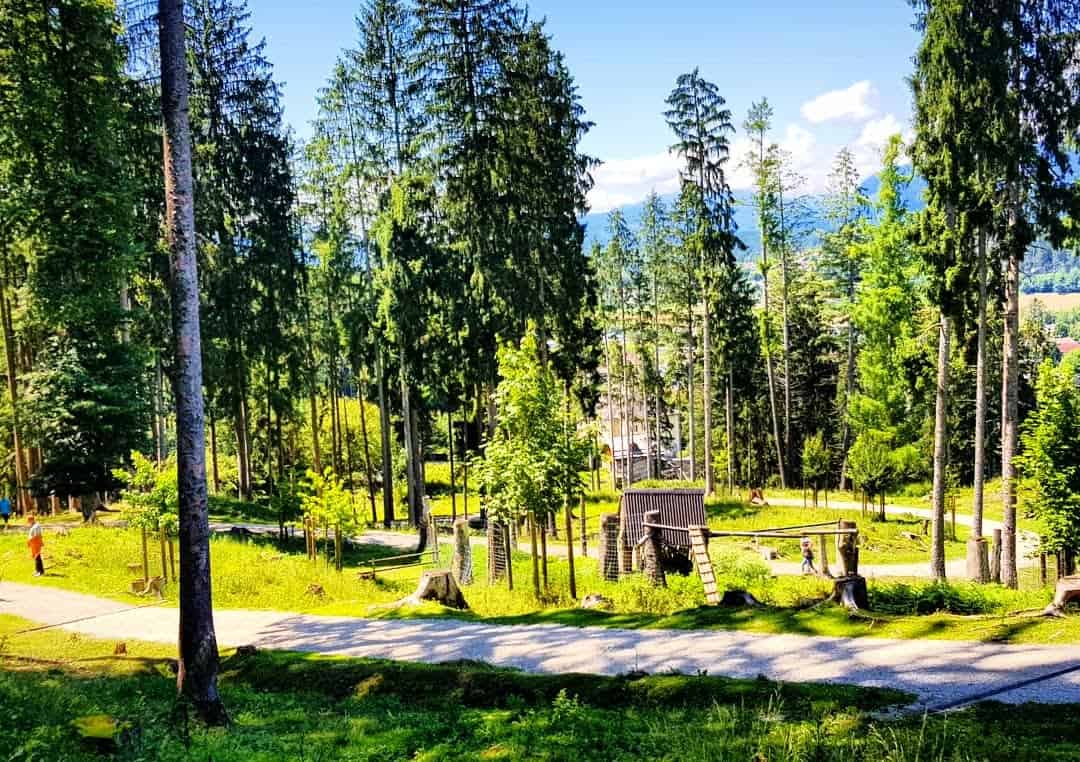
[679, 509]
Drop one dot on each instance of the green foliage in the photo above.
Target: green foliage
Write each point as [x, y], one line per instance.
[150, 495]
[1050, 459]
[534, 462]
[324, 499]
[870, 462]
[83, 406]
[816, 458]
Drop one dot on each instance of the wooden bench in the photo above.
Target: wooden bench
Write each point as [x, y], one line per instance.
[391, 563]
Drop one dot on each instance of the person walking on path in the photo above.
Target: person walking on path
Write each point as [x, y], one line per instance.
[807, 557]
[36, 541]
[5, 510]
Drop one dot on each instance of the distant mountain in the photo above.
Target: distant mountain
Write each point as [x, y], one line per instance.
[812, 219]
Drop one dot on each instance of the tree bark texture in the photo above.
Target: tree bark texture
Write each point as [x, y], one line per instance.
[198, 658]
[941, 435]
[1010, 381]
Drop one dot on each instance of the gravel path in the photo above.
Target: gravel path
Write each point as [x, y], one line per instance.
[939, 673]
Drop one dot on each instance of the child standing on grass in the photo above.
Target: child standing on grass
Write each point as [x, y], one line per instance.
[807, 557]
[5, 510]
[36, 541]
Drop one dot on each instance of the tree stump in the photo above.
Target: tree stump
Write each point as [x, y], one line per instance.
[850, 592]
[461, 563]
[651, 552]
[978, 559]
[441, 587]
[1068, 590]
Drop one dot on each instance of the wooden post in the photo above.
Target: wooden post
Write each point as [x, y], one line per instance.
[651, 561]
[172, 560]
[509, 556]
[145, 558]
[824, 556]
[570, 550]
[584, 537]
[164, 565]
[1042, 569]
[995, 558]
[461, 562]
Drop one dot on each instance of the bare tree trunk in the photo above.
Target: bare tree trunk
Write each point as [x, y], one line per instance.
[369, 471]
[729, 422]
[610, 407]
[1009, 417]
[786, 327]
[384, 443]
[849, 388]
[22, 497]
[198, 658]
[627, 424]
[772, 387]
[243, 455]
[980, 398]
[690, 394]
[214, 454]
[410, 476]
[659, 387]
[706, 391]
[453, 478]
[937, 541]
[316, 447]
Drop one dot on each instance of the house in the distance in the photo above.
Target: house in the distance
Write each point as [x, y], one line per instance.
[1066, 345]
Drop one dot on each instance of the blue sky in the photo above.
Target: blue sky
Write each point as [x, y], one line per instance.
[834, 71]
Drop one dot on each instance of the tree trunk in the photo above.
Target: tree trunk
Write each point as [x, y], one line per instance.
[729, 424]
[535, 557]
[214, 454]
[384, 443]
[243, 457]
[937, 542]
[690, 393]
[610, 408]
[849, 388]
[707, 400]
[980, 408]
[450, 450]
[786, 329]
[1010, 380]
[316, 446]
[22, 497]
[659, 387]
[369, 471]
[198, 658]
[406, 422]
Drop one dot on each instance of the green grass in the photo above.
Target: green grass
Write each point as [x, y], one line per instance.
[294, 706]
[266, 575]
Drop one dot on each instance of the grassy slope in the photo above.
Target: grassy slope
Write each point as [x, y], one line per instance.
[293, 706]
[264, 575]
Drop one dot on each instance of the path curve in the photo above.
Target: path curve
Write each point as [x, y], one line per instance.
[939, 673]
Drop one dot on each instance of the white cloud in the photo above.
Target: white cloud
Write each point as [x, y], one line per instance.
[627, 181]
[870, 143]
[854, 103]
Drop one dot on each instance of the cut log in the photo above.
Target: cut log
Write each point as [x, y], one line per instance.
[851, 592]
[461, 564]
[441, 587]
[651, 552]
[978, 559]
[1068, 590]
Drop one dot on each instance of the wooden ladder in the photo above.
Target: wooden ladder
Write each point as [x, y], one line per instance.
[700, 549]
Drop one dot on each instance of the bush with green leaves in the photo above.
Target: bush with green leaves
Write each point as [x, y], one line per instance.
[325, 501]
[816, 461]
[1050, 458]
[150, 496]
